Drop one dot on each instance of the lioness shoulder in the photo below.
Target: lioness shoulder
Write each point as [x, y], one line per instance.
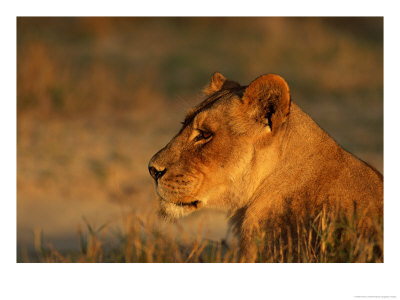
[251, 150]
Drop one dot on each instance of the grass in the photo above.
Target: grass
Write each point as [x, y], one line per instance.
[326, 239]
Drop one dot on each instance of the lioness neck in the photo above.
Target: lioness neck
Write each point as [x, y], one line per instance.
[299, 152]
[312, 168]
[305, 140]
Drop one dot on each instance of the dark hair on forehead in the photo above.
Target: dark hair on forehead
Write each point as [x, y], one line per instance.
[208, 102]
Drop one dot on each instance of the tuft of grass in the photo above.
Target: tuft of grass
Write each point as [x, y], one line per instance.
[325, 239]
[328, 238]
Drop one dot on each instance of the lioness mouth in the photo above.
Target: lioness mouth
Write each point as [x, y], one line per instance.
[193, 204]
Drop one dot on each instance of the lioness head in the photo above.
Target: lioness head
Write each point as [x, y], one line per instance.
[214, 160]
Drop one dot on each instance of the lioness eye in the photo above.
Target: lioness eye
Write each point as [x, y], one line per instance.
[203, 135]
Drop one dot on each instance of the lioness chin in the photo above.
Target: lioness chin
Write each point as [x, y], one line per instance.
[251, 150]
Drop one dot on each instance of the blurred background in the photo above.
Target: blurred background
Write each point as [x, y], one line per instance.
[97, 97]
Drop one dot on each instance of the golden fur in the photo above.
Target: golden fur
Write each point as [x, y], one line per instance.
[251, 150]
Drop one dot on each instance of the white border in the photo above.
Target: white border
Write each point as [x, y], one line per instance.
[194, 281]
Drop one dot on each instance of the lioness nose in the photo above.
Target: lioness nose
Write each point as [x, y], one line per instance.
[156, 174]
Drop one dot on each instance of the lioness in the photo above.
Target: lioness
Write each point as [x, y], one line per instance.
[251, 150]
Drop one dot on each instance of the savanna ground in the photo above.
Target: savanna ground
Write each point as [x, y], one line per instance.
[97, 97]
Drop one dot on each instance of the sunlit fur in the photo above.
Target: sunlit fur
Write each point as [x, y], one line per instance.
[267, 162]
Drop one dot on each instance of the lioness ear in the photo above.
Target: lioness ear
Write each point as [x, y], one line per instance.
[219, 82]
[268, 100]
